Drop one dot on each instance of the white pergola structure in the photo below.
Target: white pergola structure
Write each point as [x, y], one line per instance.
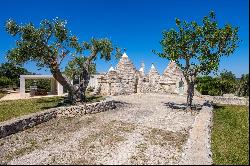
[56, 87]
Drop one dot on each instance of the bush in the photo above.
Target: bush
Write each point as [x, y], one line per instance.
[40, 83]
[4, 82]
[224, 84]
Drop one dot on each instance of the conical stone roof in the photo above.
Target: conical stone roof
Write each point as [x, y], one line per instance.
[125, 65]
[172, 73]
[153, 70]
[127, 72]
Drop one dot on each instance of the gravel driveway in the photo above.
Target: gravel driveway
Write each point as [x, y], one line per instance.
[144, 131]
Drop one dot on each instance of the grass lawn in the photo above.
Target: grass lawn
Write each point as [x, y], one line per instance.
[14, 108]
[230, 135]
[1, 95]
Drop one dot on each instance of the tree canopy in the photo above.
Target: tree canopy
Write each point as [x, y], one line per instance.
[10, 73]
[225, 83]
[197, 49]
[50, 43]
[75, 67]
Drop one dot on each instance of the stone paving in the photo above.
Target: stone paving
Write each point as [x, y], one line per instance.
[145, 131]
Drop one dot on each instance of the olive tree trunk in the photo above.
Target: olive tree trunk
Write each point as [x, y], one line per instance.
[190, 94]
[191, 80]
[75, 94]
[84, 83]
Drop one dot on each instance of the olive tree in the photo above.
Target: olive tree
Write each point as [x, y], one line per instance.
[74, 68]
[50, 43]
[197, 49]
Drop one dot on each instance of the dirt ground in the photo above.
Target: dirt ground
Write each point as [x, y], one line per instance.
[143, 131]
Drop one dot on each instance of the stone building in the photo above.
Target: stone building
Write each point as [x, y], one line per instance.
[125, 79]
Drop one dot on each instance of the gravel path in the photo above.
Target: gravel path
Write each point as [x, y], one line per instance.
[144, 131]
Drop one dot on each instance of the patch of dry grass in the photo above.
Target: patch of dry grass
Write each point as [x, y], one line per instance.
[20, 151]
[2, 94]
[164, 138]
[110, 133]
[140, 157]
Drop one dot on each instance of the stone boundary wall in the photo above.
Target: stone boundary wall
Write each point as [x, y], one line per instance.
[27, 121]
[227, 100]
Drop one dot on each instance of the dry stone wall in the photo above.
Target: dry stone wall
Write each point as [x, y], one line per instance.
[227, 100]
[125, 79]
[118, 81]
[19, 124]
[127, 76]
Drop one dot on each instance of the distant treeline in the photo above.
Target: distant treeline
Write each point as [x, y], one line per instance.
[10, 74]
[225, 83]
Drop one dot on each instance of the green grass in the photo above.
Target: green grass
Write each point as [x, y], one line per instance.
[2, 95]
[230, 135]
[14, 108]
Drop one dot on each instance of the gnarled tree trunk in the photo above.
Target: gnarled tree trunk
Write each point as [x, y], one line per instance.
[73, 92]
[190, 78]
[76, 94]
[63, 81]
[84, 83]
[190, 94]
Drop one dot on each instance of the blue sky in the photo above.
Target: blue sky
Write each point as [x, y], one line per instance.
[132, 24]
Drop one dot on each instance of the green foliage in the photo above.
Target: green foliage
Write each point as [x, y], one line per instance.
[225, 83]
[243, 85]
[197, 49]
[208, 85]
[199, 46]
[10, 74]
[48, 44]
[15, 108]
[41, 84]
[75, 67]
[44, 45]
[230, 135]
[4, 81]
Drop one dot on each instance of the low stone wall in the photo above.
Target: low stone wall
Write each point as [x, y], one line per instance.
[227, 100]
[86, 109]
[19, 124]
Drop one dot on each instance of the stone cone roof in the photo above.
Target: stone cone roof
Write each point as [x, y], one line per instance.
[111, 69]
[172, 70]
[153, 71]
[172, 73]
[125, 65]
